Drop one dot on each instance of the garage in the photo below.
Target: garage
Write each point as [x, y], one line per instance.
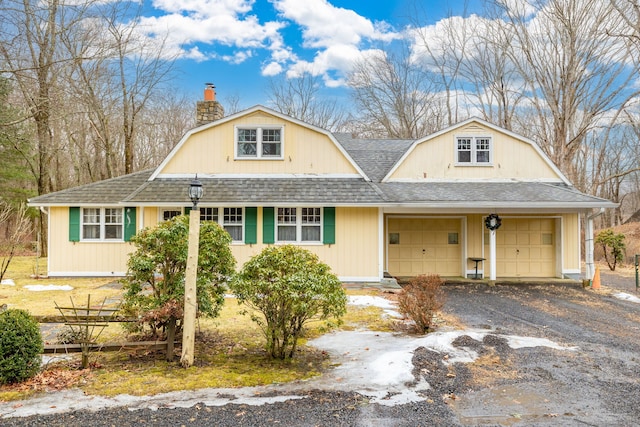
[525, 247]
[424, 246]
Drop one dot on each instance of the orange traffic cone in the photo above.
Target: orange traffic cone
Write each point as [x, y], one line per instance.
[595, 284]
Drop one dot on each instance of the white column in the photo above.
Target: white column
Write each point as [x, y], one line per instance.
[492, 254]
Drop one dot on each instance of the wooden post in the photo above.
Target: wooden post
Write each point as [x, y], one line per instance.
[190, 294]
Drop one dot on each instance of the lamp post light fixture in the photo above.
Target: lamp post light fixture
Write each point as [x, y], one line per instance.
[190, 277]
[195, 191]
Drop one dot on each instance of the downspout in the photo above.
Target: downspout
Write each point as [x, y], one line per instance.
[46, 212]
[590, 269]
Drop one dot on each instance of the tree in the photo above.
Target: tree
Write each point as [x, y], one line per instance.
[289, 286]
[18, 226]
[574, 70]
[613, 246]
[154, 286]
[300, 98]
[395, 96]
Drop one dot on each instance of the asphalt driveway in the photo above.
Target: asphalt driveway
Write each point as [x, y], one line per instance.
[578, 365]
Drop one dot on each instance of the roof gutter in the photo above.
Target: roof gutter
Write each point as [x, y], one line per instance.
[589, 261]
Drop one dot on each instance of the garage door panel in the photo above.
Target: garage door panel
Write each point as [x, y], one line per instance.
[525, 249]
[425, 243]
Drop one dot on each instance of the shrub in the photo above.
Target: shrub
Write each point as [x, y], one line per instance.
[613, 246]
[289, 286]
[20, 346]
[154, 287]
[420, 299]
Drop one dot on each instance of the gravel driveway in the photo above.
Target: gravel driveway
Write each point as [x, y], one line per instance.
[592, 378]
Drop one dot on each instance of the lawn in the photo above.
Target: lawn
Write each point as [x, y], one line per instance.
[229, 349]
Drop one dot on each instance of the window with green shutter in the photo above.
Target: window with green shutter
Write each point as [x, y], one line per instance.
[251, 225]
[329, 226]
[268, 225]
[74, 224]
[129, 223]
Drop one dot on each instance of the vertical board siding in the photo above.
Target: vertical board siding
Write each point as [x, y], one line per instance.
[511, 159]
[213, 151]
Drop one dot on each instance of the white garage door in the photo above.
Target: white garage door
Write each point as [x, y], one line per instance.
[424, 246]
[525, 247]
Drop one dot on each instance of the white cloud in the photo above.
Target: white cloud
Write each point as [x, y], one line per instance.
[271, 69]
[325, 25]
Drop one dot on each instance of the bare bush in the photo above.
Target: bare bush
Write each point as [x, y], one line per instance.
[420, 299]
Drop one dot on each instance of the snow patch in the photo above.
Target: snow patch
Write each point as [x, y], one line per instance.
[8, 282]
[41, 288]
[627, 297]
[389, 307]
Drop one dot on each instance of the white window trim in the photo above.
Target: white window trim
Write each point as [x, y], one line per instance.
[102, 221]
[299, 240]
[258, 155]
[222, 224]
[474, 156]
[162, 210]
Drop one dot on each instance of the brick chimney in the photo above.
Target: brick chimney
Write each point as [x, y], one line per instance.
[208, 110]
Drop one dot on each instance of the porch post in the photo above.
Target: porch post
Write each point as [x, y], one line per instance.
[492, 255]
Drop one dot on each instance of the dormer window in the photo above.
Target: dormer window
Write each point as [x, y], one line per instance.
[473, 150]
[259, 142]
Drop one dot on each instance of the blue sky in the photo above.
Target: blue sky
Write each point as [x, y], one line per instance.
[240, 44]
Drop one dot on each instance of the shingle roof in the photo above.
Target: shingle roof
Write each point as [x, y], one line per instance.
[108, 192]
[374, 156]
[260, 190]
[504, 194]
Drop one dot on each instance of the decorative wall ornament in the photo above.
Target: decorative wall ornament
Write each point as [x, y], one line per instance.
[493, 222]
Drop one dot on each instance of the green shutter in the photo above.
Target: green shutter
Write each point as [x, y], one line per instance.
[329, 229]
[187, 210]
[129, 223]
[74, 224]
[268, 225]
[251, 225]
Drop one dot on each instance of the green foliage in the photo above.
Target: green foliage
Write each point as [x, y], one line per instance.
[420, 299]
[20, 346]
[289, 286]
[154, 287]
[613, 246]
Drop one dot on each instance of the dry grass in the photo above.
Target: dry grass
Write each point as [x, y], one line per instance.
[489, 369]
[229, 349]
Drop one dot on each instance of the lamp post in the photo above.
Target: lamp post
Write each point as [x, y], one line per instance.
[190, 293]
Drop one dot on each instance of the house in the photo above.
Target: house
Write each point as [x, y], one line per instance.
[366, 207]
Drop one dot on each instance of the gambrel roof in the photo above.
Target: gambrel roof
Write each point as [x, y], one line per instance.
[375, 160]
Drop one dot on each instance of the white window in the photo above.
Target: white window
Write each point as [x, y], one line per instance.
[102, 223]
[232, 223]
[167, 213]
[231, 220]
[299, 225]
[259, 143]
[473, 150]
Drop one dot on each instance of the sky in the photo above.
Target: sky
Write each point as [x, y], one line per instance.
[240, 45]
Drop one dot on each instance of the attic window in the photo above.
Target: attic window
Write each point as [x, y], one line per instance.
[259, 142]
[473, 150]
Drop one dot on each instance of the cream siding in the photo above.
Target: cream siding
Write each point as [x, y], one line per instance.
[82, 258]
[212, 151]
[571, 242]
[353, 256]
[511, 159]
